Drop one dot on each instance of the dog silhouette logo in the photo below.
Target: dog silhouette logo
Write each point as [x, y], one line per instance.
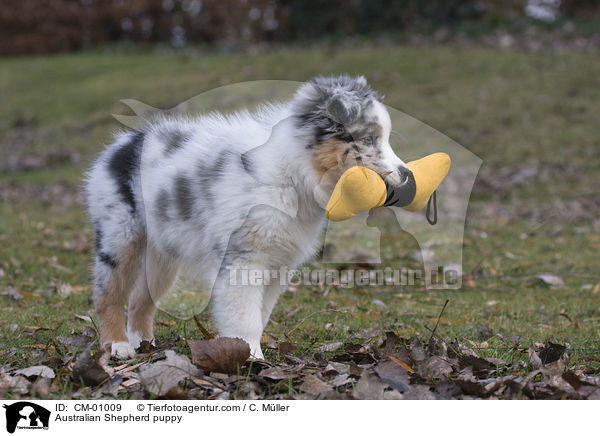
[26, 415]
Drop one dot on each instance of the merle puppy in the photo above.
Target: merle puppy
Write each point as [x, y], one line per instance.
[185, 193]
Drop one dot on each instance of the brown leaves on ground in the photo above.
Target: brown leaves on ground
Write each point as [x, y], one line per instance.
[160, 377]
[224, 355]
[90, 368]
[388, 367]
[394, 368]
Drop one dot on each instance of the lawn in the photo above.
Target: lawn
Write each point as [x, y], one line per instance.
[531, 117]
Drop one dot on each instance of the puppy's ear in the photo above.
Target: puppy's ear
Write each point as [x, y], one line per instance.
[342, 108]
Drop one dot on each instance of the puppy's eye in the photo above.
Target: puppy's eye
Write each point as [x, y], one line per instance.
[369, 141]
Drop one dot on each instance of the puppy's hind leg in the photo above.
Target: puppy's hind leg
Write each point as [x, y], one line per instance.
[159, 271]
[115, 276]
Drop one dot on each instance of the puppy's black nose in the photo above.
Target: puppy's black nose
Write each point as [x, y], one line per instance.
[404, 174]
[404, 193]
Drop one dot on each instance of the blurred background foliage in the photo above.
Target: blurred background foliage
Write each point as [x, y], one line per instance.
[50, 26]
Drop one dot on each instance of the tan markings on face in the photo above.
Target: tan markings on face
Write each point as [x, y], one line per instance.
[377, 132]
[329, 155]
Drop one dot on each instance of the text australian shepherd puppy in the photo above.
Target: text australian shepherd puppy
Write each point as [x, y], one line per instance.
[217, 192]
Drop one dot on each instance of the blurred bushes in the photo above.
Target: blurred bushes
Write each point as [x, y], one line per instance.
[44, 26]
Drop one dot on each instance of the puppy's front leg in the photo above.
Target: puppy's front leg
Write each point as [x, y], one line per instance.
[237, 302]
[272, 292]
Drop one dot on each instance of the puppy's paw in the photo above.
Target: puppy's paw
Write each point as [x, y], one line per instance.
[122, 350]
[256, 353]
[135, 339]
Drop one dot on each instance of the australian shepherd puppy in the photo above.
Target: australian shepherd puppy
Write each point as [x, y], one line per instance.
[215, 193]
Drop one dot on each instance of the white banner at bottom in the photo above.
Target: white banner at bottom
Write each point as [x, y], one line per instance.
[75, 417]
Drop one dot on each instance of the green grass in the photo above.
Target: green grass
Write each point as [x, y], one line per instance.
[513, 109]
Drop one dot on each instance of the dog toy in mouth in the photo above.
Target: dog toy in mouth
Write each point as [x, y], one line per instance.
[361, 189]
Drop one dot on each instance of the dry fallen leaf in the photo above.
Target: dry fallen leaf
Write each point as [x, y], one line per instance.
[16, 384]
[314, 386]
[13, 293]
[64, 289]
[92, 369]
[551, 352]
[435, 367]
[551, 280]
[369, 387]
[333, 346]
[286, 347]
[83, 317]
[38, 371]
[278, 373]
[394, 375]
[336, 368]
[341, 380]
[402, 364]
[224, 355]
[534, 359]
[158, 378]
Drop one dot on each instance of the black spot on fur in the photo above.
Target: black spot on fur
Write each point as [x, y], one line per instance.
[173, 139]
[98, 242]
[209, 173]
[324, 129]
[108, 259]
[184, 197]
[220, 164]
[247, 163]
[104, 257]
[344, 136]
[124, 164]
[162, 205]
[205, 179]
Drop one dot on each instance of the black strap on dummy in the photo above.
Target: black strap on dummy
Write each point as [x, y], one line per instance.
[405, 194]
[432, 199]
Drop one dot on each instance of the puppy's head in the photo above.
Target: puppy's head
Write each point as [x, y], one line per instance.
[346, 125]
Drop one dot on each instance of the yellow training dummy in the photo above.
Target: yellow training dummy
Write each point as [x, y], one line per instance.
[361, 189]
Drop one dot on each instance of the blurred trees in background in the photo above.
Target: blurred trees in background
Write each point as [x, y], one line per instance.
[45, 26]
